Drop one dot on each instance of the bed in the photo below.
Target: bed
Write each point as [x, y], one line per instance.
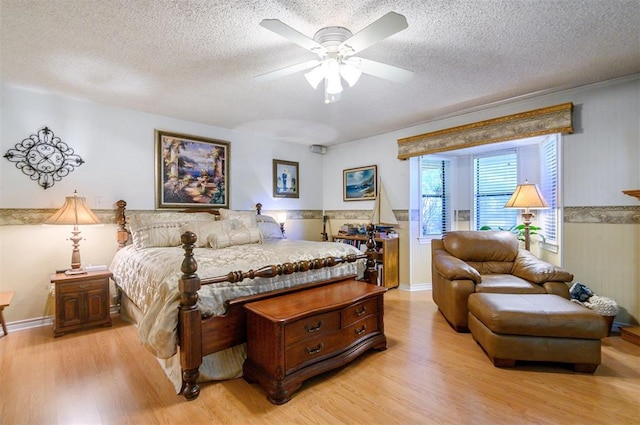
[183, 278]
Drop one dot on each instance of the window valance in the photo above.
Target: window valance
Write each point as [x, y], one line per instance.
[552, 119]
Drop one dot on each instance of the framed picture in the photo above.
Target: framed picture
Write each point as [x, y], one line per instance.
[191, 171]
[286, 183]
[360, 184]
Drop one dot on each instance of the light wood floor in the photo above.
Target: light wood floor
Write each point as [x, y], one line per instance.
[428, 374]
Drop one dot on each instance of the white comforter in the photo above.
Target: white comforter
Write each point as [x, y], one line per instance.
[150, 278]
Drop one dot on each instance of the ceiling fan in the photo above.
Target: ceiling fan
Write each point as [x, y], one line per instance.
[336, 47]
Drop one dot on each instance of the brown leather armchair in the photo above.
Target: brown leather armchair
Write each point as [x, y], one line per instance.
[464, 262]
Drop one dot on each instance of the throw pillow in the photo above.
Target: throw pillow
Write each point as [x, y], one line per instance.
[239, 236]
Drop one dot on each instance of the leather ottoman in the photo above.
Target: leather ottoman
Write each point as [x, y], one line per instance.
[536, 327]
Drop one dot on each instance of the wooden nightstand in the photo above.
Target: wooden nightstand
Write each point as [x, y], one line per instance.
[82, 300]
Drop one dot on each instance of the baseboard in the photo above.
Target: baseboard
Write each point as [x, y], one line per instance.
[39, 322]
[415, 287]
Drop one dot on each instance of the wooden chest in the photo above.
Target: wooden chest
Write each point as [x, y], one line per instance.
[296, 336]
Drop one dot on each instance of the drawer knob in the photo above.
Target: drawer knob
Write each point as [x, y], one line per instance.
[314, 350]
[312, 329]
[361, 330]
[361, 310]
[83, 286]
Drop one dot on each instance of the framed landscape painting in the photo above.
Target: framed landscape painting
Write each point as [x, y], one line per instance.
[360, 184]
[191, 171]
[286, 183]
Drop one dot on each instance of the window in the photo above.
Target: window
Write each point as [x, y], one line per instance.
[435, 196]
[495, 177]
[548, 219]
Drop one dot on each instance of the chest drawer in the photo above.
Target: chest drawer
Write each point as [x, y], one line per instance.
[358, 311]
[310, 327]
[361, 329]
[312, 350]
[325, 345]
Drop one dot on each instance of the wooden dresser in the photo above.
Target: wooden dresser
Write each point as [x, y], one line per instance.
[293, 337]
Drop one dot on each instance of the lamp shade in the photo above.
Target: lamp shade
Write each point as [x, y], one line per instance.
[315, 76]
[350, 72]
[74, 211]
[527, 196]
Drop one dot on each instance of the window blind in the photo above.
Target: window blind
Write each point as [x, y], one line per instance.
[495, 180]
[548, 219]
[435, 196]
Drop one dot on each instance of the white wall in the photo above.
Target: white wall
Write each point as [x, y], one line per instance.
[118, 145]
[380, 151]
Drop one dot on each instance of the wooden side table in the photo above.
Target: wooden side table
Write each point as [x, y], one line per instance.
[5, 301]
[81, 301]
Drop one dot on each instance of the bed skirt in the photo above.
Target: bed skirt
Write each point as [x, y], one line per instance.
[226, 364]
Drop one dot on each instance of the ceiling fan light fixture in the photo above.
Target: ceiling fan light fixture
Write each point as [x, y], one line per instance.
[315, 76]
[350, 72]
[335, 47]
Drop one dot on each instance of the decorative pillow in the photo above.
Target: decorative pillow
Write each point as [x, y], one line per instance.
[161, 229]
[157, 235]
[143, 219]
[239, 236]
[247, 218]
[269, 228]
[203, 229]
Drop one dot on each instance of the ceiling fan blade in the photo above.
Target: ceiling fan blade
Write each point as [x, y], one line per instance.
[382, 70]
[284, 30]
[287, 70]
[389, 24]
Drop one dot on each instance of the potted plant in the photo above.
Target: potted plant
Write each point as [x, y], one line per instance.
[518, 230]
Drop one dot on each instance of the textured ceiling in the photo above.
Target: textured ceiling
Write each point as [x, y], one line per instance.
[195, 60]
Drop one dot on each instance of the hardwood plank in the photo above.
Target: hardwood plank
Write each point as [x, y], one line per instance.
[428, 374]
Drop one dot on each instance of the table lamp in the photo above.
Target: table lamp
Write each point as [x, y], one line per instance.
[74, 211]
[527, 197]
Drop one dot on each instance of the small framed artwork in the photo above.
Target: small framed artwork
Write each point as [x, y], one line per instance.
[360, 184]
[286, 183]
[191, 171]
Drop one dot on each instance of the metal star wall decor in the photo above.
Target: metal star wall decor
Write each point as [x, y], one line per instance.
[44, 158]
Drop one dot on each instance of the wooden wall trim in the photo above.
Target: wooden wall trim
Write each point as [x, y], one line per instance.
[604, 215]
[552, 119]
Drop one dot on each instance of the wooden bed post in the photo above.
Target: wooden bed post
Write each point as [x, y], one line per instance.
[371, 273]
[189, 320]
